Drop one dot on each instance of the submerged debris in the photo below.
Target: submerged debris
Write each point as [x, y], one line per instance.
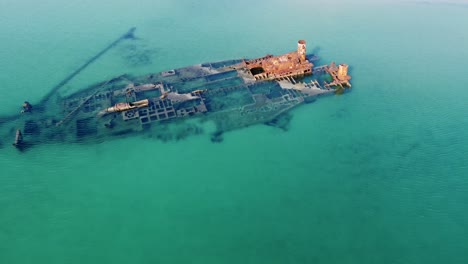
[217, 137]
[27, 107]
[281, 121]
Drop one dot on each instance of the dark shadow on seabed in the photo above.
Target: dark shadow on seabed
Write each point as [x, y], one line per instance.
[41, 105]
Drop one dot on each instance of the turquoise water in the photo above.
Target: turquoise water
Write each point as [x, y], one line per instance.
[375, 176]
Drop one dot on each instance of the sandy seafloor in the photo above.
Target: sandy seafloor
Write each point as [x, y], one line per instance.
[378, 175]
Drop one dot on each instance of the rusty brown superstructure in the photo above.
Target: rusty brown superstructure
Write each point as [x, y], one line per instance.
[339, 74]
[292, 64]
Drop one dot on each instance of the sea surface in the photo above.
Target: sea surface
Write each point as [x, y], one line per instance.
[378, 175]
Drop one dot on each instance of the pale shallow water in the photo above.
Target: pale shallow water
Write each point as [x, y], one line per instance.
[375, 176]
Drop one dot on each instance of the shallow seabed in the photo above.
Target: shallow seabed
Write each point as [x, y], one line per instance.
[377, 175]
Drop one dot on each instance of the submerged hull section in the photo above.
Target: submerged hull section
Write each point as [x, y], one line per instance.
[232, 94]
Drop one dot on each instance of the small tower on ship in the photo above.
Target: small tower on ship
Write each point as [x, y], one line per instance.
[301, 50]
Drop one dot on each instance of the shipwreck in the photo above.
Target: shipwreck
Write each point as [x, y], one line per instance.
[232, 93]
